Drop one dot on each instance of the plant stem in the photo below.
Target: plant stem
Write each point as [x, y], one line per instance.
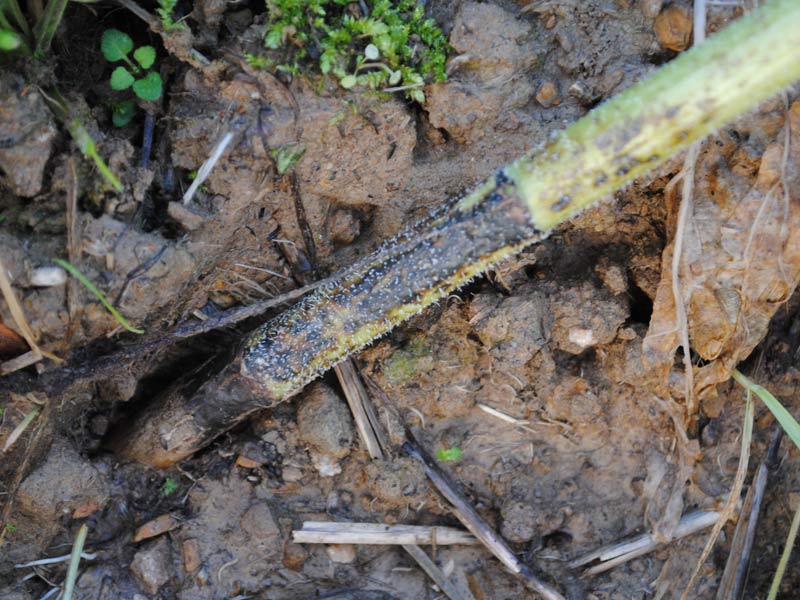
[624, 138]
[46, 26]
[634, 132]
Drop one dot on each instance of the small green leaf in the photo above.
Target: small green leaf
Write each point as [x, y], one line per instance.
[394, 78]
[145, 56]
[286, 157]
[121, 79]
[148, 87]
[274, 38]
[417, 95]
[169, 487]
[348, 81]
[371, 52]
[448, 455]
[115, 45]
[123, 113]
[9, 40]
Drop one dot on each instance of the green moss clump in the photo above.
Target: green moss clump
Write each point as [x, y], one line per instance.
[393, 47]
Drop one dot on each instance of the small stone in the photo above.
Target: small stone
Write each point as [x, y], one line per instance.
[156, 527]
[258, 523]
[47, 277]
[151, 566]
[673, 27]
[551, 22]
[344, 226]
[547, 95]
[324, 423]
[650, 8]
[342, 553]
[187, 218]
[64, 483]
[292, 474]
[247, 463]
[191, 555]
[294, 556]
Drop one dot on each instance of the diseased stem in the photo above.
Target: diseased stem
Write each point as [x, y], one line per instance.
[624, 138]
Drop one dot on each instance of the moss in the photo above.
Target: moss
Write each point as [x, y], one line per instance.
[390, 46]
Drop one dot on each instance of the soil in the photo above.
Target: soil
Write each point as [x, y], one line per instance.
[576, 337]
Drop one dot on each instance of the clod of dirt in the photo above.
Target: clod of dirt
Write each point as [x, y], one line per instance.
[259, 525]
[325, 424]
[585, 316]
[519, 522]
[27, 133]
[64, 483]
[152, 566]
[143, 265]
[490, 75]
[673, 27]
[397, 483]
[496, 321]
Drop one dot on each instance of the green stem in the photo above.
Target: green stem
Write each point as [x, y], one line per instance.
[46, 26]
[621, 140]
[787, 552]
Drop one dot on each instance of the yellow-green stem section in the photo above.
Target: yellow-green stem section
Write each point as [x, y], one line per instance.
[684, 101]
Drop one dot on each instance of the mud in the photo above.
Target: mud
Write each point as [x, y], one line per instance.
[564, 338]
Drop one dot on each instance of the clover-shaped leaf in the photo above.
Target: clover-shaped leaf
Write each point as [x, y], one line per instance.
[115, 45]
[121, 79]
[148, 87]
[145, 56]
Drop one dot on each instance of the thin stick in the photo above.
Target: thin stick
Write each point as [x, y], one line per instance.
[367, 424]
[325, 532]
[54, 560]
[621, 552]
[205, 169]
[435, 573]
[465, 513]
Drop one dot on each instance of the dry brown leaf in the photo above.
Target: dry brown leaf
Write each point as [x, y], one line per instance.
[157, 526]
[741, 257]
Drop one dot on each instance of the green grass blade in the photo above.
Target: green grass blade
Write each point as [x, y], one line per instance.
[74, 561]
[45, 28]
[787, 552]
[98, 294]
[20, 429]
[787, 421]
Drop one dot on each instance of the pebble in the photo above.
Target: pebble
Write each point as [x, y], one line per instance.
[187, 218]
[48, 277]
[150, 566]
[547, 94]
[673, 27]
[650, 8]
[324, 423]
[342, 553]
